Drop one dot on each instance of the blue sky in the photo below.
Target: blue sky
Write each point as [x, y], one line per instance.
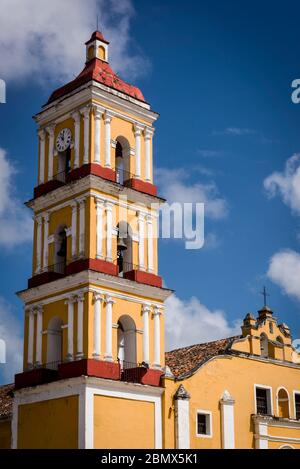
[220, 77]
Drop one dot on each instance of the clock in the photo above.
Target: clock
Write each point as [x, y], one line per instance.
[64, 139]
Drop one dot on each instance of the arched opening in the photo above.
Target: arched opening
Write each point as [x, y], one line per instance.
[101, 53]
[124, 248]
[127, 342]
[122, 160]
[54, 342]
[286, 447]
[280, 341]
[264, 345]
[64, 164]
[283, 403]
[60, 246]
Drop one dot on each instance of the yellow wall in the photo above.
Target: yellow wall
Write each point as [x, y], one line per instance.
[5, 434]
[238, 376]
[49, 424]
[123, 423]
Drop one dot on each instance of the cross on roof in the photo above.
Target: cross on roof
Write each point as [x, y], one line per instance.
[265, 294]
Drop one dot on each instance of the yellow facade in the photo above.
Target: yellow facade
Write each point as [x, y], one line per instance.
[51, 424]
[128, 431]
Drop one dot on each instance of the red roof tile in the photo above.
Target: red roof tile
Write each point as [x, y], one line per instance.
[6, 400]
[100, 71]
[185, 361]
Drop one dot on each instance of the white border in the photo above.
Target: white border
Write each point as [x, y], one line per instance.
[289, 400]
[295, 391]
[263, 386]
[205, 412]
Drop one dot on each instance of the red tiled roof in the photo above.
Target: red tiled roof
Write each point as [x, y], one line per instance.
[6, 400]
[97, 35]
[100, 71]
[185, 361]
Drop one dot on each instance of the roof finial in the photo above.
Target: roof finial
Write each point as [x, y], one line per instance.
[265, 294]
[97, 25]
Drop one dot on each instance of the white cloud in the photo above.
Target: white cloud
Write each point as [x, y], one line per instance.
[11, 333]
[286, 184]
[175, 187]
[209, 153]
[44, 40]
[15, 219]
[190, 322]
[284, 270]
[235, 131]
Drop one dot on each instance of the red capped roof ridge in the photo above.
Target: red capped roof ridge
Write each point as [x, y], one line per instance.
[100, 71]
[97, 35]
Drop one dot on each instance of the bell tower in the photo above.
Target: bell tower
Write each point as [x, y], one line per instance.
[94, 306]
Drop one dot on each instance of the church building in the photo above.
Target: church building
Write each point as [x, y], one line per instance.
[95, 371]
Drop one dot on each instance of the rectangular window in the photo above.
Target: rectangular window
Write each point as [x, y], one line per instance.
[203, 423]
[297, 405]
[263, 401]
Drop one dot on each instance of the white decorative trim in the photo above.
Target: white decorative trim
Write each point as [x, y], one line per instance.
[103, 281]
[210, 426]
[107, 139]
[263, 386]
[227, 416]
[277, 400]
[76, 117]
[108, 333]
[86, 131]
[295, 392]
[50, 131]
[156, 315]
[146, 310]
[42, 137]
[97, 324]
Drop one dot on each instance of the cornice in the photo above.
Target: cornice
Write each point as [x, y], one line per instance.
[98, 279]
[89, 183]
[94, 90]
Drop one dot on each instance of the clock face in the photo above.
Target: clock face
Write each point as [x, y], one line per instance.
[64, 139]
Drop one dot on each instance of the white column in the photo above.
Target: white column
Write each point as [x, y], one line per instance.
[39, 222]
[141, 228]
[30, 338]
[74, 229]
[227, 416]
[86, 129]
[137, 134]
[150, 243]
[39, 331]
[98, 112]
[76, 117]
[70, 302]
[108, 335]
[80, 306]
[182, 418]
[99, 227]
[109, 220]
[146, 354]
[97, 325]
[107, 137]
[156, 316]
[261, 431]
[46, 244]
[148, 136]
[82, 228]
[50, 131]
[42, 136]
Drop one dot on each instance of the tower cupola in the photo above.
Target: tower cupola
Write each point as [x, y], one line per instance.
[97, 47]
